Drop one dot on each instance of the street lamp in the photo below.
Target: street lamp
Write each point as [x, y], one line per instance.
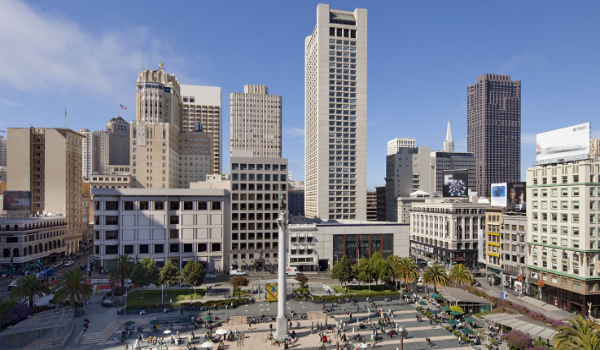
[402, 332]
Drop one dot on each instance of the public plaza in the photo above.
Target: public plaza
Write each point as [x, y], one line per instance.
[256, 336]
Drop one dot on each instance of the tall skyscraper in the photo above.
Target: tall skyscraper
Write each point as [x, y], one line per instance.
[448, 143]
[336, 115]
[202, 112]
[47, 163]
[155, 133]
[2, 151]
[118, 141]
[256, 122]
[394, 145]
[494, 130]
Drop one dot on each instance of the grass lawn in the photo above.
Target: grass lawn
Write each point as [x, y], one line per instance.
[363, 289]
[152, 297]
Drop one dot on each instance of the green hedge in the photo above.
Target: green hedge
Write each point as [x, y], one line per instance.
[353, 296]
[207, 303]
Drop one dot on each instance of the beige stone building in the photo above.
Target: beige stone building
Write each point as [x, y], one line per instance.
[256, 122]
[155, 133]
[48, 163]
[195, 157]
[336, 115]
[202, 112]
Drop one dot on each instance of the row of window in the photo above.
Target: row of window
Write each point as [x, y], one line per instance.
[160, 205]
[160, 248]
[564, 192]
[236, 166]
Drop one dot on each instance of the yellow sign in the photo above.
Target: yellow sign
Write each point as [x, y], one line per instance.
[492, 254]
[272, 292]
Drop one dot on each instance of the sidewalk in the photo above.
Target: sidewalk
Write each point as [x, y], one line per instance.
[532, 304]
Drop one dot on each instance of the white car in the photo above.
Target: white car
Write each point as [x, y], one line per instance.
[238, 273]
[69, 263]
[11, 285]
[209, 276]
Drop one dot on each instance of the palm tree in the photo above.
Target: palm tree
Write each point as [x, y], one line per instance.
[394, 261]
[72, 288]
[579, 334]
[121, 270]
[435, 275]
[408, 269]
[461, 275]
[28, 287]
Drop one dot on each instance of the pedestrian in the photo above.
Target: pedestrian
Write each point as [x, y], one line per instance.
[290, 324]
[298, 324]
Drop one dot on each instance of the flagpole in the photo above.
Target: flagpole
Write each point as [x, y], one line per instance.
[65, 118]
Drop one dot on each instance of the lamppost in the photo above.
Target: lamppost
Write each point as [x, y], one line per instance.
[402, 332]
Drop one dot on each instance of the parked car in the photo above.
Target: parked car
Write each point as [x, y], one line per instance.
[12, 285]
[69, 263]
[238, 273]
[209, 276]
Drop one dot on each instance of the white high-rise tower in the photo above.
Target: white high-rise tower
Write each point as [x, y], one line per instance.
[448, 144]
[336, 115]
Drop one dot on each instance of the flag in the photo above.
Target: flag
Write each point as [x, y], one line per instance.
[122, 107]
[65, 112]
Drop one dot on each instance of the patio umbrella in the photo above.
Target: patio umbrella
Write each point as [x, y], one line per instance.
[436, 296]
[153, 322]
[208, 318]
[435, 312]
[362, 345]
[167, 331]
[456, 313]
[407, 294]
[422, 303]
[128, 323]
[451, 321]
[221, 331]
[466, 331]
[469, 319]
[445, 308]
[207, 345]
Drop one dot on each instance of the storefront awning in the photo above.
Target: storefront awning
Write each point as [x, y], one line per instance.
[521, 323]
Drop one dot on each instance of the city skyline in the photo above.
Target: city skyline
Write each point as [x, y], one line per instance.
[39, 81]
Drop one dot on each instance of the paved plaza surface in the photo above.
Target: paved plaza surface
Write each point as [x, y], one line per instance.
[256, 337]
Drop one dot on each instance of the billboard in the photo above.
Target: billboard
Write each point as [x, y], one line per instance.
[455, 183]
[498, 195]
[17, 200]
[516, 197]
[572, 143]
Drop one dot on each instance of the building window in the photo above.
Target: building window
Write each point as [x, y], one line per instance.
[174, 234]
[143, 249]
[216, 247]
[111, 220]
[112, 249]
[187, 248]
[202, 205]
[159, 249]
[128, 249]
[159, 205]
[144, 205]
[216, 205]
[202, 247]
[174, 248]
[174, 220]
[112, 234]
[128, 205]
[112, 205]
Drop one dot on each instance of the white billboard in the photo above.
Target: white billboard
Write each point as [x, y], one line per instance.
[498, 195]
[571, 143]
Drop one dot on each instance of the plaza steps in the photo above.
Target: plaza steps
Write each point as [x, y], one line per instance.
[316, 315]
[42, 344]
[102, 337]
[238, 320]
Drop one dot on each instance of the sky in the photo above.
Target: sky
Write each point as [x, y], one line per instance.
[85, 55]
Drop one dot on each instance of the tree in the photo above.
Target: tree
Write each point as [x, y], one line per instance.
[363, 271]
[380, 268]
[169, 275]
[343, 271]
[72, 288]
[237, 282]
[435, 275]
[145, 273]
[192, 274]
[408, 269]
[302, 279]
[122, 269]
[28, 287]
[578, 334]
[461, 275]
[394, 261]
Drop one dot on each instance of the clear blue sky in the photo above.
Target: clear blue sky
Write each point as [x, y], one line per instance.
[85, 55]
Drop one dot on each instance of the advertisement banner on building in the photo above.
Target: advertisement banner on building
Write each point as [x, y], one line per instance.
[455, 183]
[498, 195]
[516, 200]
[17, 200]
[568, 143]
[481, 246]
